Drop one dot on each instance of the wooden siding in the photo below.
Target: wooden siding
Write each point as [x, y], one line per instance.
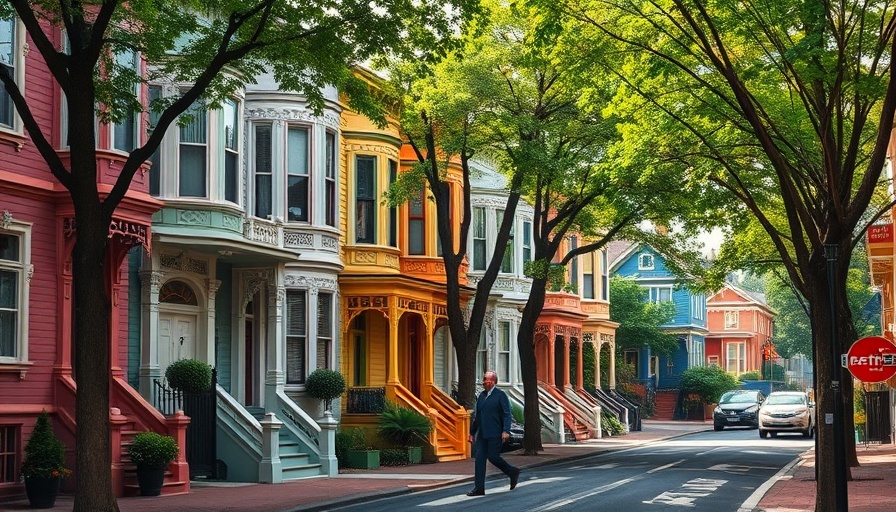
[223, 334]
[377, 349]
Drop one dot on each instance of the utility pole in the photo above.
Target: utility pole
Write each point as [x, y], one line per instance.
[840, 487]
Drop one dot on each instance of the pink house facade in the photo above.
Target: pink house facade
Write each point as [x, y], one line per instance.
[37, 233]
[740, 325]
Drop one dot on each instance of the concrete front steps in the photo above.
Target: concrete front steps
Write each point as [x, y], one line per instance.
[295, 463]
[170, 486]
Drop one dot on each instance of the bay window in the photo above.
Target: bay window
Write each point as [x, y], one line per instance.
[9, 59]
[365, 199]
[297, 174]
[479, 247]
[324, 329]
[14, 262]
[417, 224]
[330, 180]
[296, 336]
[231, 151]
[124, 132]
[192, 179]
[263, 171]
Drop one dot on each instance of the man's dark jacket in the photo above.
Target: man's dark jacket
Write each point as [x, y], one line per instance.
[492, 415]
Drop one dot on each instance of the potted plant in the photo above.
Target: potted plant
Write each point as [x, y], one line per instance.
[406, 428]
[152, 452]
[325, 385]
[189, 375]
[44, 464]
[359, 453]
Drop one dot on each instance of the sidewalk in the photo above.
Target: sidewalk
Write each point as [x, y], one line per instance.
[871, 489]
[793, 491]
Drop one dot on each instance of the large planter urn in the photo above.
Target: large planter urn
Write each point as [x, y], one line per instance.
[42, 491]
[150, 479]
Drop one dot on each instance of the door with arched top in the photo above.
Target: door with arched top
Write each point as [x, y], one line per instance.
[178, 318]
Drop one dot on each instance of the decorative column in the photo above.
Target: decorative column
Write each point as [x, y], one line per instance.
[275, 377]
[151, 281]
[328, 463]
[552, 358]
[567, 343]
[429, 348]
[611, 378]
[206, 346]
[270, 469]
[394, 313]
[580, 366]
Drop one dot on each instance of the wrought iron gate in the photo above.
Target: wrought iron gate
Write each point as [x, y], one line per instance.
[877, 416]
[202, 409]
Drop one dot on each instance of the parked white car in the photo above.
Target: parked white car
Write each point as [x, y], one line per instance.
[787, 411]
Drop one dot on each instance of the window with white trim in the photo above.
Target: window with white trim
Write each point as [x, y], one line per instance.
[297, 174]
[330, 180]
[417, 224]
[588, 276]
[230, 113]
[263, 169]
[9, 441]
[481, 355]
[296, 336]
[393, 210]
[15, 256]
[659, 294]
[527, 243]
[731, 319]
[193, 157]
[479, 247]
[126, 131]
[698, 306]
[506, 263]
[11, 59]
[604, 277]
[155, 93]
[696, 353]
[574, 264]
[365, 199]
[736, 357]
[645, 262]
[503, 368]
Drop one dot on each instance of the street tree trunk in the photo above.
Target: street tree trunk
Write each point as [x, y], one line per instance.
[525, 341]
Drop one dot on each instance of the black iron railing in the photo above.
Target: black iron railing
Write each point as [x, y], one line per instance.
[365, 400]
[202, 409]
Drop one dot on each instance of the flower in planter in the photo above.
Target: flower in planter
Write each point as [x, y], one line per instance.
[44, 453]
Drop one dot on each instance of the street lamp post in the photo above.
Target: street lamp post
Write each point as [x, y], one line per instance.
[840, 488]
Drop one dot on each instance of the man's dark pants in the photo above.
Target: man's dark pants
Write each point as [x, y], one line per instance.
[490, 449]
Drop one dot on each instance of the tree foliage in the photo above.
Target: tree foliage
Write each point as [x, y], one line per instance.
[640, 320]
[707, 382]
[781, 113]
[208, 51]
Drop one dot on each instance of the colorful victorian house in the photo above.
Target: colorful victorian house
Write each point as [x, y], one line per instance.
[243, 276]
[37, 234]
[741, 325]
[647, 267]
[392, 288]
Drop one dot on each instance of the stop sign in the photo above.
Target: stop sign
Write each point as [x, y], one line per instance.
[872, 359]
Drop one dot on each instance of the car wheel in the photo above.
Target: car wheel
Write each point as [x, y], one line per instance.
[717, 427]
[763, 433]
[808, 433]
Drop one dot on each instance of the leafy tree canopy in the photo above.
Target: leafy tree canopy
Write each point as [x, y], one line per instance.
[639, 319]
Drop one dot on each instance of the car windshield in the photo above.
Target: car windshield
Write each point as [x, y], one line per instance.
[785, 400]
[737, 398]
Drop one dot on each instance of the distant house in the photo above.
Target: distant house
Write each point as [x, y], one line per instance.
[647, 267]
[740, 325]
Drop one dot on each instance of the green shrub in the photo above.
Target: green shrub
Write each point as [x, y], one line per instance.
[44, 453]
[707, 383]
[754, 375]
[403, 426]
[189, 375]
[394, 457]
[153, 449]
[324, 384]
[610, 425]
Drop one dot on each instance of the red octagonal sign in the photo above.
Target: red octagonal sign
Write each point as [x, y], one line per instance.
[872, 359]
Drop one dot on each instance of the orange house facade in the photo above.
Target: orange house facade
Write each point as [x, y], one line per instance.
[392, 289]
[741, 326]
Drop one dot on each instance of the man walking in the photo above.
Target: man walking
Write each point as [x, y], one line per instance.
[489, 430]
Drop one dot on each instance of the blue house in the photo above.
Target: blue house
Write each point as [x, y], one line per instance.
[648, 268]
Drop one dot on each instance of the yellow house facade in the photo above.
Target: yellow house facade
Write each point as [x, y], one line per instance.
[392, 289]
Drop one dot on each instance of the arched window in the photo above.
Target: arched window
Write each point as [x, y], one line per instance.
[177, 292]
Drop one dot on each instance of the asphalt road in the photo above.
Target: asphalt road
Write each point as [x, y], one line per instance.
[709, 471]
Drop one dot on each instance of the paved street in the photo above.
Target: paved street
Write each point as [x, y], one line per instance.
[710, 471]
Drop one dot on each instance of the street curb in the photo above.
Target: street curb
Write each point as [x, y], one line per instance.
[752, 503]
[329, 505]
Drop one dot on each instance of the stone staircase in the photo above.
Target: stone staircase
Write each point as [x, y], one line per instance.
[294, 463]
[170, 486]
[664, 404]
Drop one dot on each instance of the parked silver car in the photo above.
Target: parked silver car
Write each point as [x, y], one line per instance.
[787, 411]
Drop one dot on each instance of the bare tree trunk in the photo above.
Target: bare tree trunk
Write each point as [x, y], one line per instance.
[525, 341]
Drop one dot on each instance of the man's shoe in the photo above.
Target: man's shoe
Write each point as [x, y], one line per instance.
[514, 478]
[476, 492]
